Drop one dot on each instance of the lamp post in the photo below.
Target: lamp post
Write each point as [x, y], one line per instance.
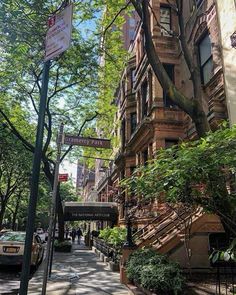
[129, 241]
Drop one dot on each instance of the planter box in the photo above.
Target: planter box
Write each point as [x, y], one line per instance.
[114, 266]
[64, 248]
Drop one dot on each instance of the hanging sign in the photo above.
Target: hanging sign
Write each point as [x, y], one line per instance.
[87, 141]
[58, 36]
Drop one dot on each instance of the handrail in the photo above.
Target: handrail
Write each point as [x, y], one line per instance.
[162, 230]
[136, 235]
[179, 223]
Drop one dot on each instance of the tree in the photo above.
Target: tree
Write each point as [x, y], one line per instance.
[72, 87]
[15, 164]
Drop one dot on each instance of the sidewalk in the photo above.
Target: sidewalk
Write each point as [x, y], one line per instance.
[76, 273]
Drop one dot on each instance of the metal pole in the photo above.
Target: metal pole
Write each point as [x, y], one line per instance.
[34, 183]
[53, 233]
[53, 211]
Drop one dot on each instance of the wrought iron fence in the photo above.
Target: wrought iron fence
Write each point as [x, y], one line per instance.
[225, 278]
[108, 250]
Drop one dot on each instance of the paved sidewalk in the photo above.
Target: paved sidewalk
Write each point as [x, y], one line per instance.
[76, 273]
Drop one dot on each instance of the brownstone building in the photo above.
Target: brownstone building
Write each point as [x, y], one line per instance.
[149, 120]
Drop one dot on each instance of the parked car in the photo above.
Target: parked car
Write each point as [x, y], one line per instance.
[39, 230]
[4, 230]
[41, 233]
[12, 245]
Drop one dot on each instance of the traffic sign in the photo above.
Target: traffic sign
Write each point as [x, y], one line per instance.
[58, 37]
[87, 141]
[63, 177]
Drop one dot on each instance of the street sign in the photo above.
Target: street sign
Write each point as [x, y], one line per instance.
[87, 141]
[58, 36]
[63, 177]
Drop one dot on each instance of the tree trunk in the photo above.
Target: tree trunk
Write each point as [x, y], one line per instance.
[2, 212]
[15, 213]
[193, 107]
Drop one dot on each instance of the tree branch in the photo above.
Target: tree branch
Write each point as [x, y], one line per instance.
[137, 8]
[113, 20]
[80, 130]
[28, 145]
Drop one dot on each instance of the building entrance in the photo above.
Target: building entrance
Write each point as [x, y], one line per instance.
[105, 211]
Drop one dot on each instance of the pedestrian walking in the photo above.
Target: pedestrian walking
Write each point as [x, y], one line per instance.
[73, 234]
[79, 234]
[67, 232]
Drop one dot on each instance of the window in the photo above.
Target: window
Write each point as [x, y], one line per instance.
[145, 157]
[144, 94]
[165, 20]
[132, 168]
[132, 78]
[132, 22]
[170, 142]
[131, 32]
[123, 133]
[170, 69]
[143, 43]
[133, 122]
[205, 56]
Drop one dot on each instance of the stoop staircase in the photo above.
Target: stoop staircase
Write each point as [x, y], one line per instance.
[167, 230]
[182, 234]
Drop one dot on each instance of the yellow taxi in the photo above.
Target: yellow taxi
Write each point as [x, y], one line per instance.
[12, 244]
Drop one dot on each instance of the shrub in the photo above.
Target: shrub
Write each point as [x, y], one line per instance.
[62, 243]
[136, 262]
[165, 278]
[105, 233]
[114, 236]
[62, 246]
[154, 272]
[117, 236]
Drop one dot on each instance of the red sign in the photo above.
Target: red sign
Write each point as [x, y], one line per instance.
[63, 177]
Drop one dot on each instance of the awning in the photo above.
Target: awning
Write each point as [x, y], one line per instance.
[90, 211]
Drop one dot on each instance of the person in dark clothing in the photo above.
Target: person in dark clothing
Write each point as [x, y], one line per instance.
[79, 234]
[73, 234]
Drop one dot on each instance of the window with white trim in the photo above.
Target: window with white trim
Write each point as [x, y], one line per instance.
[165, 20]
[206, 61]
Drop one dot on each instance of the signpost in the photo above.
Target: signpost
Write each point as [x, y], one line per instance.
[57, 41]
[87, 141]
[53, 212]
[63, 177]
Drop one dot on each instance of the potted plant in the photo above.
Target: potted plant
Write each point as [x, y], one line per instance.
[62, 246]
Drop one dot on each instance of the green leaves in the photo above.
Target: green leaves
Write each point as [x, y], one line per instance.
[227, 255]
[154, 272]
[195, 173]
[114, 236]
